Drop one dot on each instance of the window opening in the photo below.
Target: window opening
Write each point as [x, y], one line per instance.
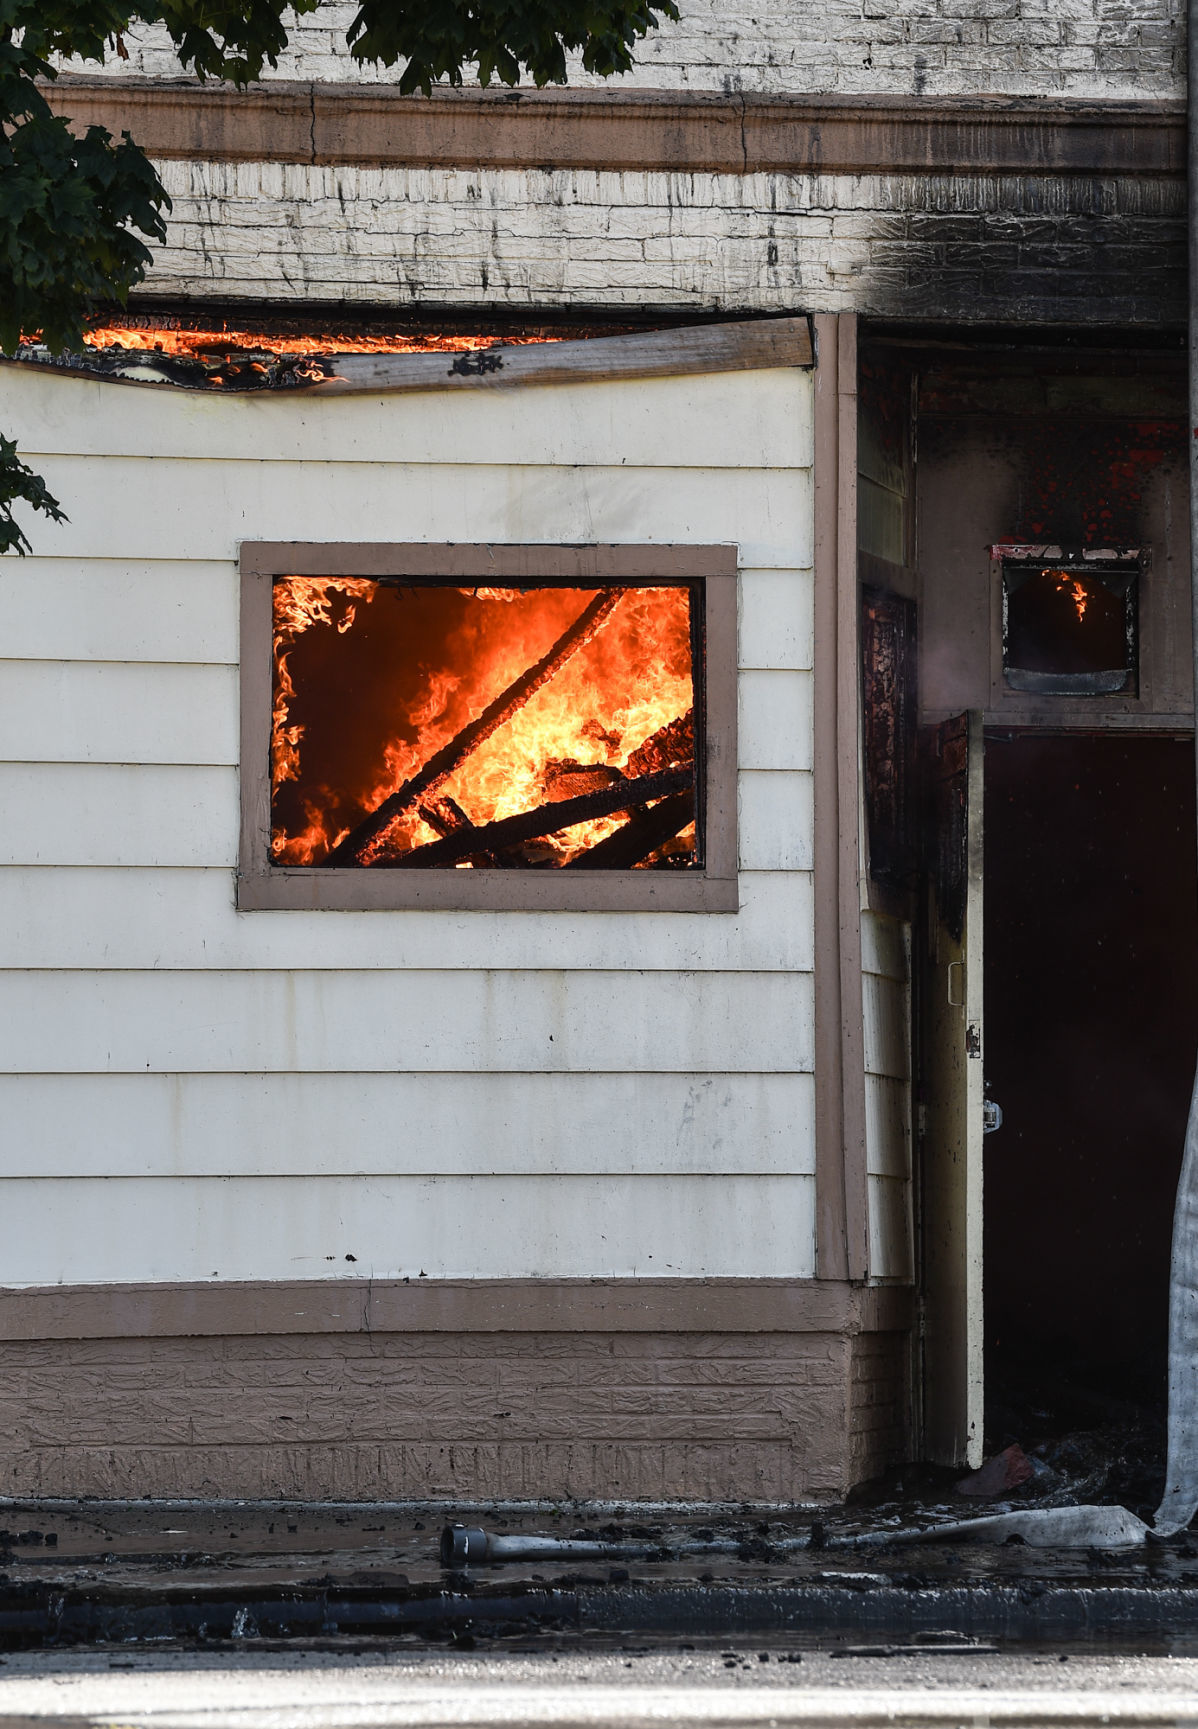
[1069, 623]
[424, 724]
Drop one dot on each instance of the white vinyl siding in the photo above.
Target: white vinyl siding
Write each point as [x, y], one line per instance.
[190, 1091]
[886, 995]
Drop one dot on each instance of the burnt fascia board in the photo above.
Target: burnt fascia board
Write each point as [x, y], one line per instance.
[744, 346]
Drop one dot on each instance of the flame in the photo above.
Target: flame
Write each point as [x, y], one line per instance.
[1078, 593]
[628, 683]
[298, 604]
[210, 343]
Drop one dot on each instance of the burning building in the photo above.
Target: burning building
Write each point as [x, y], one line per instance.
[591, 728]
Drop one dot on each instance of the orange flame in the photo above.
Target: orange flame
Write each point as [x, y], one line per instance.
[208, 344]
[631, 680]
[298, 604]
[1078, 593]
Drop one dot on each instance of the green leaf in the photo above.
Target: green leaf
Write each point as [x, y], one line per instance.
[504, 39]
[19, 484]
[231, 39]
[70, 216]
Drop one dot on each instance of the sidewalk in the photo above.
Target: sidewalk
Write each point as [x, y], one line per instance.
[81, 1572]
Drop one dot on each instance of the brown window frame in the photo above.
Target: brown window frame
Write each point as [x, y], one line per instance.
[263, 886]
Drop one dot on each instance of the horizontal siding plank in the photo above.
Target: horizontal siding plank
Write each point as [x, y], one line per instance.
[777, 621]
[181, 611]
[130, 1230]
[729, 420]
[203, 510]
[119, 610]
[151, 814]
[776, 821]
[346, 1125]
[186, 919]
[109, 711]
[887, 1127]
[888, 1207]
[887, 1048]
[145, 814]
[774, 724]
[147, 1022]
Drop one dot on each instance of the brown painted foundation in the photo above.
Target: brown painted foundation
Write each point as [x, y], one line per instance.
[146, 1395]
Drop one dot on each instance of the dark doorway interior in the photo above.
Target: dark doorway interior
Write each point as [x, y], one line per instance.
[1091, 1017]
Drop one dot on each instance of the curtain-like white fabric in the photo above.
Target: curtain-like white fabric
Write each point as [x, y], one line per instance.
[1180, 1501]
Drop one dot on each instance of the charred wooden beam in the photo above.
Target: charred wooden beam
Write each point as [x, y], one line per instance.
[672, 743]
[443, 814]
[446, 815]
[545, 819]
[641, 835]
[355, 848]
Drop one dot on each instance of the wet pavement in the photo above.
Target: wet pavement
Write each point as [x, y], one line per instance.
[74, 1573]
[395, 1546]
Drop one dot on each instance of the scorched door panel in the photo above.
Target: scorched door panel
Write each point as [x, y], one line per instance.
[952, 1095]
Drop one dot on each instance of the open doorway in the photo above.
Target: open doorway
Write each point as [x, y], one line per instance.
[1024, 515]
[1090, 1005]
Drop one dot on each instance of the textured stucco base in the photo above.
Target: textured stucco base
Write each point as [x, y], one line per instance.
[761, 1416]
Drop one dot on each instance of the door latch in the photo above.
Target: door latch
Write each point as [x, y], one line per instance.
[991, 1116]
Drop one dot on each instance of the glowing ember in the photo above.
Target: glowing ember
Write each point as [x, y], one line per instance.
[429, 696]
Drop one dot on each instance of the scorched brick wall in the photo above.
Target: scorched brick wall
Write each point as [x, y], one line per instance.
[1062, 249]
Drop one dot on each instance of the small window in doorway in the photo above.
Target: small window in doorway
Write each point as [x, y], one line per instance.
[1070, 621]
[469, 726]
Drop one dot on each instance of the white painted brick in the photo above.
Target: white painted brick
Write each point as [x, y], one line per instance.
[611, 240]
[883, 46]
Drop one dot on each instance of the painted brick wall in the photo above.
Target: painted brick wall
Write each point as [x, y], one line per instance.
[1079, 48]
[879, 1404]
[913, 246]
[651, 1416]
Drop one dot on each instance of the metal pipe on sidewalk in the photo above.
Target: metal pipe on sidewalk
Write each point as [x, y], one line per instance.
[471, 1546]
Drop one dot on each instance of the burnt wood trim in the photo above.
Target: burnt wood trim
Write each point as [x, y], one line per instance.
[374, 125]
[493, 563]
[748, 346]
[146, 1311]
[262, 886]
